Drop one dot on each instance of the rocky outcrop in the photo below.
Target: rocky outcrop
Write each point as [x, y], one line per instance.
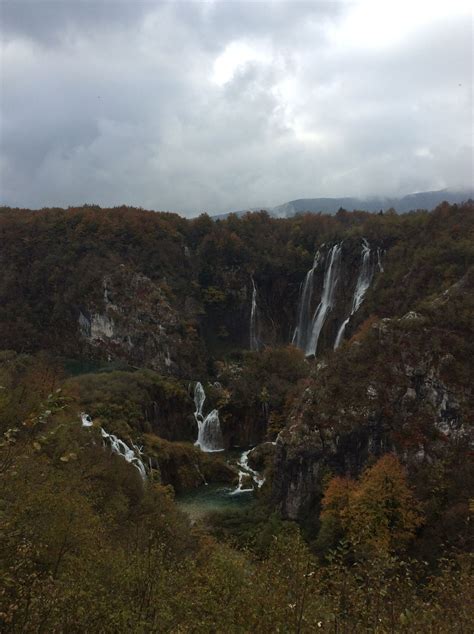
[184, 466]
[304, 457]
[140, 322]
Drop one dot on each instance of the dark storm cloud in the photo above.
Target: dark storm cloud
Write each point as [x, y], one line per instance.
[224, 105]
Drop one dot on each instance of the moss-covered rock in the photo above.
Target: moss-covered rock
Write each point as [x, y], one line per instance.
[185, 466]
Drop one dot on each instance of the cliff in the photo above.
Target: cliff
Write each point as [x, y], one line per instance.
[400, 385]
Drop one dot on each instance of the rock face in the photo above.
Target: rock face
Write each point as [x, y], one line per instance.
[305, 456]
[243, 427]
[227, 323]
[138, 322]
[391, 391]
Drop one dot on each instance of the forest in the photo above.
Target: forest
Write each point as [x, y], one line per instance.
[337, 354]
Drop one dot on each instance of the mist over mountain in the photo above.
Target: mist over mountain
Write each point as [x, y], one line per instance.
[420, 200]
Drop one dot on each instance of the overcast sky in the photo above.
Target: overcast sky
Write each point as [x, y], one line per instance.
[218, 106]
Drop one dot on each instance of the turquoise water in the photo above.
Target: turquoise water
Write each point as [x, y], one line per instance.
[210, 498]
[215, 497]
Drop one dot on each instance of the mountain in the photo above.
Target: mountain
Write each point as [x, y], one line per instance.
[421, 200]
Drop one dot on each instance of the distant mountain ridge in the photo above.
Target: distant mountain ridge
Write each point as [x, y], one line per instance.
[421, 200]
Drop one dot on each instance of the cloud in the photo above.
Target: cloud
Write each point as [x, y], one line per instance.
[224, 105]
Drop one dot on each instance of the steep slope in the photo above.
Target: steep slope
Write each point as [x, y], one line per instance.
[155, 290]
[401, 385]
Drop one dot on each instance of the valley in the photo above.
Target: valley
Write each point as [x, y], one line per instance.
[243, 424]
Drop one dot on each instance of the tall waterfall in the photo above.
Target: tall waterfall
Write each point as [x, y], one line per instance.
[209, 427]
[364, 279]
[254, 340]
[331, 277]
[303, 327]
[131, 454]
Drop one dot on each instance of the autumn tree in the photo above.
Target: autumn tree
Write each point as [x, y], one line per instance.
[379, 513]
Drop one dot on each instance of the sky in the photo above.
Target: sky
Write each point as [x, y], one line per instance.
[227, 105]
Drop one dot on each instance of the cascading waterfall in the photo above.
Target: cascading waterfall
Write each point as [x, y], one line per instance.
[245, 472]
[302, 330]
[131, 455]
[254, 340]
[341, 331]
[364, 280]
[331, 277]
[199, 398]
[379, 259]
[209, 428]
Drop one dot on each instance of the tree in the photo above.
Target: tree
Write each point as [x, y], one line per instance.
[383, 513]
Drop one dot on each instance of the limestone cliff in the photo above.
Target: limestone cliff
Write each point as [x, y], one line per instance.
[140, 321]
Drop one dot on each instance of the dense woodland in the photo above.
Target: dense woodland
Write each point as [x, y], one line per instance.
[382, 537]
[51, 259]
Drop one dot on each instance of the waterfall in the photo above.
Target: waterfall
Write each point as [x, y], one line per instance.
[209, 427]
[302, 330]
[210, 434]
[340, 332]
[131, 455]
[331, 277]
[246, 471]
[199, 398]
[86, 420]
[364, 279]
[379, 259]
[254, 342]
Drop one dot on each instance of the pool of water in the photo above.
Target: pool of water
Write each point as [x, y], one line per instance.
[214, 497]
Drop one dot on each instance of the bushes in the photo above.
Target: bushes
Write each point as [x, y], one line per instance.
[85, 547]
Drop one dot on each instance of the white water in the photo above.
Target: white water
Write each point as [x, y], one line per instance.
[209, 428]
[331, 278]
[199, 398]
[86, 420]
[379, 259]
[340, 333]
[364, 279]
[131, 455]
[302, 330]
[245, 472]
[254, 342]
[118, 446]
[209, 433]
